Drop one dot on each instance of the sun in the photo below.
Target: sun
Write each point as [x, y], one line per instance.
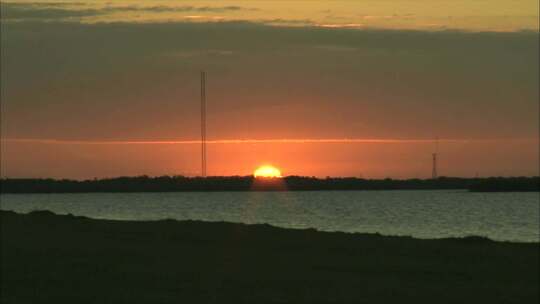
[267, 171]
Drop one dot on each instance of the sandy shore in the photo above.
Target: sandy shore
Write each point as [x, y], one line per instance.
[49, 258]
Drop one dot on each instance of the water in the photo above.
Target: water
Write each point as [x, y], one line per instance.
[421, 214]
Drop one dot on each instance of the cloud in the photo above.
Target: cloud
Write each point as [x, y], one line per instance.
[127, 80]
[340, 25]
[47, 141]
[186, 8]
[44, 4]
[394, 16]
[287, 22]
[48, 11]
[67, 10]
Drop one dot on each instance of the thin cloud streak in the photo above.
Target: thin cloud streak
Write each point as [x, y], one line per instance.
[249, 141]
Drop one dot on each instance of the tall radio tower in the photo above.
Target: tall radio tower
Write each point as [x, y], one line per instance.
[434, 170]
[203, 124]
[434, 174]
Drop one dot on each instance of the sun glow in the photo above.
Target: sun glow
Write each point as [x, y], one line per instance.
[267, 171]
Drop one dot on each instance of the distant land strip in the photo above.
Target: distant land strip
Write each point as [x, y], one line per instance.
[250, 183]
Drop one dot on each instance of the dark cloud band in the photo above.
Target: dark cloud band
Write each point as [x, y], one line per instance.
[61, 10]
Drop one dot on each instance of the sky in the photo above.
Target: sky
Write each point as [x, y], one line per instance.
[317, 88]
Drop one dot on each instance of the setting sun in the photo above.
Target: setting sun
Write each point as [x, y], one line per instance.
[267, 171]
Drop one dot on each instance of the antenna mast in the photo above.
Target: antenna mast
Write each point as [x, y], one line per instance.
[203, 124]
[434, 174]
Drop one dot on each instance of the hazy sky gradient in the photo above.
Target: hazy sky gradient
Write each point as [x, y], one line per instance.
[401, 70]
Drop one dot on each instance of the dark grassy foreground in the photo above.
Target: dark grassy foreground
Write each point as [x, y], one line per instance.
[48, 258]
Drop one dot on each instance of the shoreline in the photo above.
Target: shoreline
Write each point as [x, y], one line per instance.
[471, 237]
[66, 259]
[263, 191]
[250, 183]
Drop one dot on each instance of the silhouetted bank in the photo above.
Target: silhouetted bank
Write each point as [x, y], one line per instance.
[48, 258]
[249, 183]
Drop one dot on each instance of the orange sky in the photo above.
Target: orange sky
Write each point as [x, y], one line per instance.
[95, 89]
[371, 160]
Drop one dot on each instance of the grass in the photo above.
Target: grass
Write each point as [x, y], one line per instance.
[48, 258]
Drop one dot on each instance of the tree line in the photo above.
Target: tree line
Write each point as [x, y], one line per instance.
[249, 183]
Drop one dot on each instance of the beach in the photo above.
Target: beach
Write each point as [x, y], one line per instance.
[48, 258]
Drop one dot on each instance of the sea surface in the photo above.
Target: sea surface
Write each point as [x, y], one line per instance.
[510, 216]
